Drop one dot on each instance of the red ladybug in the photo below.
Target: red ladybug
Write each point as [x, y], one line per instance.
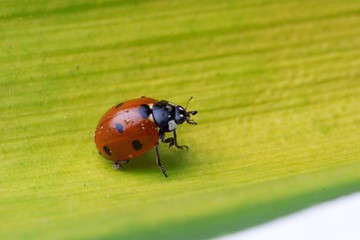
[132, 128]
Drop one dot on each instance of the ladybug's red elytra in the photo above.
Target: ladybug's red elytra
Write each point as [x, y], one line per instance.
[132, 128]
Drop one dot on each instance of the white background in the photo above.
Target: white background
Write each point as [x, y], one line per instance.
[338, 219]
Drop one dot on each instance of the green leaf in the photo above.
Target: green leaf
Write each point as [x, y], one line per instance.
[276, 84]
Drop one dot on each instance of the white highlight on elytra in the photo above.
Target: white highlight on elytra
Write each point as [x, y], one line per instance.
[151, 118]
[151, 106]
[172, 125]
[181, 115]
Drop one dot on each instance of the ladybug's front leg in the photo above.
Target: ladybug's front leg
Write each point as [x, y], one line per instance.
[161, 136]
[173, 142]
[168, 140]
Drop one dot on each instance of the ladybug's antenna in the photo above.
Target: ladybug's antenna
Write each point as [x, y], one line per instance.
[188, 102]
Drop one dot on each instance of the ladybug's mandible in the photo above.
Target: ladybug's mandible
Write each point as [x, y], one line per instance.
[132, 128]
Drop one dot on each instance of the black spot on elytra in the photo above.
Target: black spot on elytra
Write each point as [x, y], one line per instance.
[107, 150]
[144, 111]
[119, 127]
[136, 145]
[118, 105]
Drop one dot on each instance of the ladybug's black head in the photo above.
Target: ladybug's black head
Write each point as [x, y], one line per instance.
[168, 115]
[181, 115]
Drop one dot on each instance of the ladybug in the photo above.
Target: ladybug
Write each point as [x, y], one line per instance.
[132, 128]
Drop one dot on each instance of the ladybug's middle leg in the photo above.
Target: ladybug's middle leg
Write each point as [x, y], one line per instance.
[173, 142]
[158, 160]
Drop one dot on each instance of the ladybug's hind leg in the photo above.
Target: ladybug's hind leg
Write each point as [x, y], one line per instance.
[117, 164]
[173, 142]
[158, 160]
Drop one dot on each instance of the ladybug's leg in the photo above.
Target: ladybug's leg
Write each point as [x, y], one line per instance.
[173, 141]
[161, 135]
[168, 140]
[117, 165]
[179, 146]
[158, 160]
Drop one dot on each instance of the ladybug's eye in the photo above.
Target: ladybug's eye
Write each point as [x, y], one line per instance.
[180, 115]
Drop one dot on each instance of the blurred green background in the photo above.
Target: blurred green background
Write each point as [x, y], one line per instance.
[276, 84]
